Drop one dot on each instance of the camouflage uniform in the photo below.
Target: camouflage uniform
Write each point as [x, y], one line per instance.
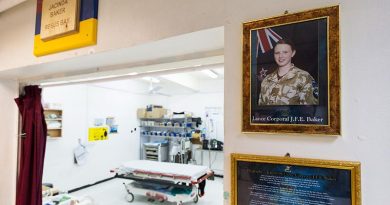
[294, 88]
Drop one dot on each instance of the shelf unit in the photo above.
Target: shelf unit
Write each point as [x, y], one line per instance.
[156, 152]
[175, 131]
[54, 122]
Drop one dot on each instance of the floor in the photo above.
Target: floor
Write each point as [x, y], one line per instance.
[113, 193]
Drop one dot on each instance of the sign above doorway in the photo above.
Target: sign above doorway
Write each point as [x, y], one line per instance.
[64, 25]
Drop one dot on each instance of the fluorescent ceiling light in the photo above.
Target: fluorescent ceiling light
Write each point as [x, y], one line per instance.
[210, 73]
[132, 73]
[151, 79]
[93, 78]
[78, 80]
[53, 83]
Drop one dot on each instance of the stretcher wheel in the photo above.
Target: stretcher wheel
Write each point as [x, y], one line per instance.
[196, 199]
[130, 197]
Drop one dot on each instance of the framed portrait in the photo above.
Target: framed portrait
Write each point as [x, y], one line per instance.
[291, 73]
[266, 180]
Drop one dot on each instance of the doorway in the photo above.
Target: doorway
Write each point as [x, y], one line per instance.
[80, 166]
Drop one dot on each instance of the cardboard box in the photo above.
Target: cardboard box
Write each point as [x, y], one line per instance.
[156, 113]
[151, 107]
[141, 113]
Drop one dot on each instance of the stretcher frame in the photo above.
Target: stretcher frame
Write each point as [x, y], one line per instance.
[169, 180]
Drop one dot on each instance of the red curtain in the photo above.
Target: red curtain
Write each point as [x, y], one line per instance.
[32, 147]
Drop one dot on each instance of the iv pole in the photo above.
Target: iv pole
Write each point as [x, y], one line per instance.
[209, 130]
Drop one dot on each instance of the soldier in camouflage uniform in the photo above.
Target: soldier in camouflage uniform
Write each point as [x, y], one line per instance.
[294, 88]
[288, 85]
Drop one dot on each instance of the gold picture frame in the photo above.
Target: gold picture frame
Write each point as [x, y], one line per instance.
[283, 180]
[307, 100]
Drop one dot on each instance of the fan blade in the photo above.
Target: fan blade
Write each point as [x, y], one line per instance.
[163, 94]
[157, 88]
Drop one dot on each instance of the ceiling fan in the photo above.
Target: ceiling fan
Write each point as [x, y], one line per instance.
[154, 90]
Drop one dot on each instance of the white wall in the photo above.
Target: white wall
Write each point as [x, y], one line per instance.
[121, 24]
[365, 78]
[364, 73]
[80, 109]
[9, 140]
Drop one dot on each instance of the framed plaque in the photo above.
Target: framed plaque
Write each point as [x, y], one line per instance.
[291, 75]
[59, 18]
[265, 180]
[62, 25]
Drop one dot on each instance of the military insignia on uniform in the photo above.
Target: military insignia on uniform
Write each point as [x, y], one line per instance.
[262, 74]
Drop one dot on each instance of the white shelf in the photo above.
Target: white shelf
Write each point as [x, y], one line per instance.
[53, 132]
[171, 127]
[169, 137]
[167, 126]
[166, 119]
[56, 119]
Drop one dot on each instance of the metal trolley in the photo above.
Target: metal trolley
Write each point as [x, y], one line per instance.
[167, 185]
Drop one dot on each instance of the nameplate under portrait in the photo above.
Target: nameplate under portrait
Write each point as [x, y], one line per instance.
[269, 180]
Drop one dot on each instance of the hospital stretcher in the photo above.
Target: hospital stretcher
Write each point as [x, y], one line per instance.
[164, 181]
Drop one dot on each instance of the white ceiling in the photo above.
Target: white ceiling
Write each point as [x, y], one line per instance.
[183, 83]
